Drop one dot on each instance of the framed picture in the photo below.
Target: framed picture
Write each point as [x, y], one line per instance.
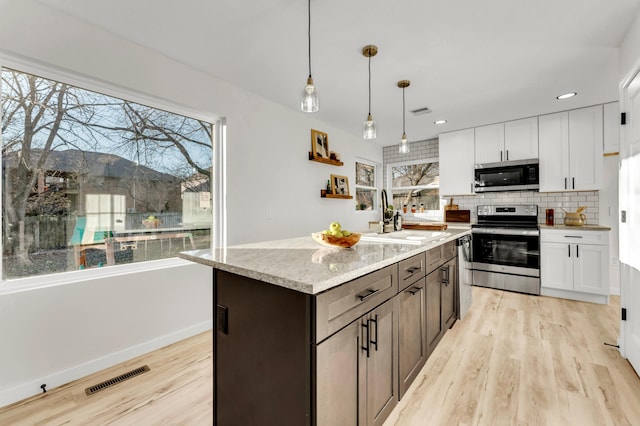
[319, 144]
[339, 185]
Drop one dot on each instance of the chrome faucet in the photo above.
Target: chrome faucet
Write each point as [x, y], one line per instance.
[385, 206]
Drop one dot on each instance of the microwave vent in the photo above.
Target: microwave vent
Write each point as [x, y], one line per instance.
[421, 111]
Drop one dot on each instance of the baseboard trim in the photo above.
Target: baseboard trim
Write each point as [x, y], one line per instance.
[31, 388]
[575, 295]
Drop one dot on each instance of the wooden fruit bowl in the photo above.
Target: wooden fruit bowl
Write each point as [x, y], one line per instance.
[331, 241]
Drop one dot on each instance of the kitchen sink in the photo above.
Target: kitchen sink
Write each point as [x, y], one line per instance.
[405, 237]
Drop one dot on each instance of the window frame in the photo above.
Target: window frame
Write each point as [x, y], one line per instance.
[218, 181]
[375, 188]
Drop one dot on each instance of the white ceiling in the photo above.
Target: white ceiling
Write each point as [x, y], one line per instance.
[472, 62]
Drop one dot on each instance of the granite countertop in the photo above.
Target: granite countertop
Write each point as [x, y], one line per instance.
[576, 228]
[303, 265]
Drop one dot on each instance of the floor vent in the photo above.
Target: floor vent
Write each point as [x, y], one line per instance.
[121, 378]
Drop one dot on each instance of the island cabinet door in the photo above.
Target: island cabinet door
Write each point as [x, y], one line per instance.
[262, 353]
[449, 281]
[340, 366]
[382, 363]
[412, 344]
[434, 311]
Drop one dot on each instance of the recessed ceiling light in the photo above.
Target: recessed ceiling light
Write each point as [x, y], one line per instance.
[566, 95]
[440, 122]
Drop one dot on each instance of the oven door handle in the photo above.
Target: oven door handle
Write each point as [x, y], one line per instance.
[503, 231]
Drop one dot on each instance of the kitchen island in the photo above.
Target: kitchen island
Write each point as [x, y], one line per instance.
[307, 334]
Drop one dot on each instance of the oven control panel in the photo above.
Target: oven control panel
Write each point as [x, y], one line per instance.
[517, 210]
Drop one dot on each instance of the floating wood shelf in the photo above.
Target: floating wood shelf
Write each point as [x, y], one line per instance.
[345, 197]
[325, 160]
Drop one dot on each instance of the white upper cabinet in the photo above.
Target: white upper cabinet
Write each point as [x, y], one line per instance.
[585, 148]
[521, 139]
[611, 127]
[513, 140]
[571, 145]
[554, 151]
[457, 162]
[490, 143]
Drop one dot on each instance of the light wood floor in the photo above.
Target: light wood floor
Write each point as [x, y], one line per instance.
[178, 390]
[526, 360]
[513, 360]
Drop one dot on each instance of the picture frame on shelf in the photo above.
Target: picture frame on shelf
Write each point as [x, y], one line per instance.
[339, 185]
[319, 144]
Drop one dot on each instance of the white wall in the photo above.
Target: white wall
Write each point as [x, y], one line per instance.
[273, 192]
[630, 50]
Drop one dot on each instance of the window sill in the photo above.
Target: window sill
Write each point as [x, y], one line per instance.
[44, 281]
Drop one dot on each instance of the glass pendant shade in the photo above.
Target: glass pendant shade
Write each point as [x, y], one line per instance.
[403, 148]
[309, 97]
[369, 128]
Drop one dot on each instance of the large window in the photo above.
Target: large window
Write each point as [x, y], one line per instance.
[90, 180]
[366, 191]
[415, 187]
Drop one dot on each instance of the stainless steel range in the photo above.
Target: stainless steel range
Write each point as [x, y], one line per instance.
[506, 248]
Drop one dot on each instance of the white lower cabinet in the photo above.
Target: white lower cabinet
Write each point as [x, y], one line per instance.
[574, 264]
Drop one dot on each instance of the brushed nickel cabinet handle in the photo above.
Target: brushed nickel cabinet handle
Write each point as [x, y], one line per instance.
[414, 290]
[366, 348]
[368, 295]
[375, 342]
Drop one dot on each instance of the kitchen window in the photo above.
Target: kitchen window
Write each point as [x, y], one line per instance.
[415, 187]
[91, 180]
[366, 191]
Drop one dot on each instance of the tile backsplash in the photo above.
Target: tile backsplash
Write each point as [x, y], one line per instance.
[570, 201]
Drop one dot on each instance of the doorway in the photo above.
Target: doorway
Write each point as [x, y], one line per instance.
[630, 223]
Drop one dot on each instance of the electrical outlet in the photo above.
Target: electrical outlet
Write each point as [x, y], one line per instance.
[267, 213]
[623, 216]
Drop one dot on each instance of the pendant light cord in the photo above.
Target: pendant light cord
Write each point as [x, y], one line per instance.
[309, 35]
[403, 131]
[369, 84]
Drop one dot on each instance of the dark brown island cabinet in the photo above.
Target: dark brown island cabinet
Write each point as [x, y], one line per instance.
[342, 357]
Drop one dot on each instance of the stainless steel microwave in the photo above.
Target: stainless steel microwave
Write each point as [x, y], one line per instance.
[519, 175]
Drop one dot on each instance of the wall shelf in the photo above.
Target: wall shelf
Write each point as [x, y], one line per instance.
[325, 160]
[344, 197]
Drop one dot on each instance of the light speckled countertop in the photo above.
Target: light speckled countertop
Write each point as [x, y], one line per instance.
[576, 228]
[302, 264]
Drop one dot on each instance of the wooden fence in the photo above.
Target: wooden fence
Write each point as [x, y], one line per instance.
[54, 232]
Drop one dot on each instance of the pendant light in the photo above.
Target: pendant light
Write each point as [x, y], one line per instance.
[403, 148]
[369, 126]
[310, 93]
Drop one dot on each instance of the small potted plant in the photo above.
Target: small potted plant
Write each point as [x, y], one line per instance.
[151, 222]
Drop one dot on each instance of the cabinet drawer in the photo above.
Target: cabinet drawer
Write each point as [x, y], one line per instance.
[412, 269]
[339, 306]
[448, 250]
[440, 255]
[434, 259]
[574, 237]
